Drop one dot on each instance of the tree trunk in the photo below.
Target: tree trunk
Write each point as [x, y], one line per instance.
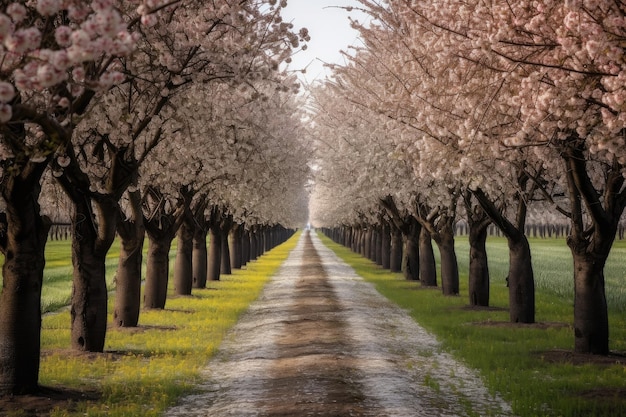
[478, 223]
[411, 253]
[395, 260]
[245, 247]
[378, 245]
[449, 264]
[385, 245]
[128, 277]
[591, 322]
[183, 273]
[234, 239]
[90, 245]
[427, 265]
[157, 270]
[199, 258]
[253, 244]
[225, 261]
[521, 281]
[478, 267]
[161, 228]
[591, 237]
[215, 254]
[23, 235]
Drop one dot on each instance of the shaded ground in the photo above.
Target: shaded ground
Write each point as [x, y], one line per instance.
[47, 400]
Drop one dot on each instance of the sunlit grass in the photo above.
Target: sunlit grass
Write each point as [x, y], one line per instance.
[509, 358]
[143, 371]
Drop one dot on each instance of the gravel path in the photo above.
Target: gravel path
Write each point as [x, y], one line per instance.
[322, 342]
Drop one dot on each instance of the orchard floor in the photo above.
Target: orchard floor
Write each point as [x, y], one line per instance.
[322, 342]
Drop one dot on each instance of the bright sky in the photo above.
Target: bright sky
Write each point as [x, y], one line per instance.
[330, 32]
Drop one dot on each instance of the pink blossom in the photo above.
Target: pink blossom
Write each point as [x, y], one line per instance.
[33, 37]
[22, 81]
[77, 11]
[7, 92]
[108, 23]
[16, 11]
[63, 161]
[6, 112]
[148, 20]
[47, 75]
[16, 42]
[63, 35]
[80, 38]
[64, 102]
[111, 78]
[48, 7]
[60, 60]
[142, 10]
[90, 27]
[78, 74]
[101, 5]
[593, 48]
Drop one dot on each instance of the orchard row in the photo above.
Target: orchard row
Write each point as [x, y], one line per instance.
[492, 112]
[145, 118]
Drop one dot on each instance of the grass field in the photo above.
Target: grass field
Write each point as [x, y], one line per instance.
[553, 267]
[517, 360]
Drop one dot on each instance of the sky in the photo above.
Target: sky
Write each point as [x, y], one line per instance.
[329, 29]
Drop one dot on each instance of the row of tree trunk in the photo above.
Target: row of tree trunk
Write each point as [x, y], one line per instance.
[23, 235]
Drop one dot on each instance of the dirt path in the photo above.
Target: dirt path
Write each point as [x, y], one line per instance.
[322, 342]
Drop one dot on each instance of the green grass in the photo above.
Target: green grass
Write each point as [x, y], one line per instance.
[553, 267]
[509, 358]
[143, 371]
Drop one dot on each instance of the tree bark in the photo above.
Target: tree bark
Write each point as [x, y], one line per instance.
[128, 277]
[378, 245]
[385, 245]
[478, 223]
[479, 267]
[183, 273]
[449, 263]
[23, 235]
[427, 264]
[161, 227]
[253, 244]
[591, 322]
[214, 259]
[234, 239]
[521, 279]
[590, 241]
[199, 258]
[411, 252]
[157, 270]
[409, 228]
[245, 247]
[225, 268]
[395, 256]
[90, 245]
[215, 254]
